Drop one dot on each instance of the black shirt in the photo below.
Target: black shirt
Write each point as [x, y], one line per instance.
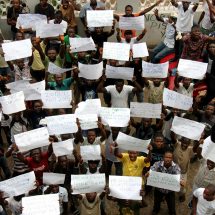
[13, 14]
[48, 11]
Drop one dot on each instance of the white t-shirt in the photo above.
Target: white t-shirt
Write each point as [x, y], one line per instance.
[64, 23]
[206, 22]
[169, 39]
[119, 100]
[187, 92]
[204, 207]
[133, 41]
[184, 19]
[63, 196]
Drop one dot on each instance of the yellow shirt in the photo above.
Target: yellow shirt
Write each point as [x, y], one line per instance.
[37, 62]
[133, 168]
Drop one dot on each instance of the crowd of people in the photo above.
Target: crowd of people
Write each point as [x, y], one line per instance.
[168, 152]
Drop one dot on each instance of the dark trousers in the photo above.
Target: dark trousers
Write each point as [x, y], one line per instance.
[170, 200]
[118, 167]
[178, 48]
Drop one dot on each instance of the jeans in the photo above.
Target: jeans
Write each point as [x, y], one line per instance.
[170, 200]
[4, 166]
[160, 51]
[118, 167]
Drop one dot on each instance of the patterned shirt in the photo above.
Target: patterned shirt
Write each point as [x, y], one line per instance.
[193, 49]
[22, 74]
[174, 169]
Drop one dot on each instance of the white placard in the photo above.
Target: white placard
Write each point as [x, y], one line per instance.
[208, 149]
[151, 70]
[50, 178]
[164, 180]
[140, 50]
[90, 71]
[132, 23]
[32, 139]
[62, 124]
[131, 143]
[53, 69]
[125, 187]
[99, 18]
[115, 117]
[145, 110]
[176, 100]
[187, 128]
[63, 148]
[26, 21]
[90, 152]
[42, 204]
[19, 85]
[90, 106]
[116, 51]
[33, 92]
[125, 73]
[87, 183]
[88, 121]
[82, 44]
[13, 103]
[56, 99]
[49, 30]
[17, 49]
[194, 1]
[18, 185]
[192, 69]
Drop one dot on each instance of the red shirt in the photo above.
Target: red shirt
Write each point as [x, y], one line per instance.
[39, 168]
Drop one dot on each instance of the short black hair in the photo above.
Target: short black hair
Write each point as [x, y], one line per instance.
[129, 6]
[128, 32]
[194, 26]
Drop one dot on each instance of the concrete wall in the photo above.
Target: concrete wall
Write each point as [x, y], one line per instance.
[155, 30]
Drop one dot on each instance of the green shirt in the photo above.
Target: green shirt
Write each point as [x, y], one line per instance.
[66, 83]
[58, 62]
[67, 42]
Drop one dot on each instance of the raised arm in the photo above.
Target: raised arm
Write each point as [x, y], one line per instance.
[195, 7]
[102, 130]
[101, 88]
[10, 64]
[112, 31]
[116, 16]
[176, 81]
[159, 18]
[37, 47]
[174, 3]
[137, 87]
[140, 37]
[201, 17]
[62, 48]
[143, 12]
[78, 136]
[116, 151]
[118, 37]
[146, 81]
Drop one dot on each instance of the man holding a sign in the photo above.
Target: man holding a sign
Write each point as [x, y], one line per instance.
[164, 188]
[119, 92]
